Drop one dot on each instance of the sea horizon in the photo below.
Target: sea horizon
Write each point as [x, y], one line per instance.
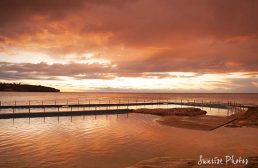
[128, 83]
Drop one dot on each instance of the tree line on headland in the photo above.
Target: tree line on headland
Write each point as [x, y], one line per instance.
[18, 87]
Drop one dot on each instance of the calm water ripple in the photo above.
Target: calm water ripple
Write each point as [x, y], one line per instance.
[113, 141]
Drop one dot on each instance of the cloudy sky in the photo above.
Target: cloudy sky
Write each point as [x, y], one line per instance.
[131, 45]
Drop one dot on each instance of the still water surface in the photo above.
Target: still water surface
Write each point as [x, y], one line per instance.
[62, 97]
[110, 140]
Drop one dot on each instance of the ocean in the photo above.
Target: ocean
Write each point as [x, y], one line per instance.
[114, 141]
[84, 97]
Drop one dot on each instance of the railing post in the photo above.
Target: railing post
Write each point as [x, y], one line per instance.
[78, 104]
[42, 104]
[96, 105]
[14, 106]
[29, 106]
[55, 105]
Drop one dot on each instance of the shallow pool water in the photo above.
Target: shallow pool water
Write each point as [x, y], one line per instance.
[111, 141]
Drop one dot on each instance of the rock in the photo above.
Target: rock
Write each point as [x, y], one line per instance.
[172, 111]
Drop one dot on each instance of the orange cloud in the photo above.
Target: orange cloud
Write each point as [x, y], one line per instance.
[136, 37]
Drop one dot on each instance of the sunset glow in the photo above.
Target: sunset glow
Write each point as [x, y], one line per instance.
[131, 46]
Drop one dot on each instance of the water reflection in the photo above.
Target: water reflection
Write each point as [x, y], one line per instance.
[108, 141]
[72, 98]
[210, 111]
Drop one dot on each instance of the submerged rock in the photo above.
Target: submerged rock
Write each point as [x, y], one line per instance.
[172, 111]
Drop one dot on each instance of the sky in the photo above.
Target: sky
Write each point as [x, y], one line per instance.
[185, 46]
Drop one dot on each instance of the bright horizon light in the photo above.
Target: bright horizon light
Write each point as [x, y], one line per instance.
[136, 46]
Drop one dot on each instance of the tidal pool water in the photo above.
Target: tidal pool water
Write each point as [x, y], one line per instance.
[111, 141]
